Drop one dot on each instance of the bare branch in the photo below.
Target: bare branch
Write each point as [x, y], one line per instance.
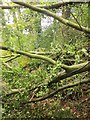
[14, 91]
[6, 56]
[60, 4]
[34, 92]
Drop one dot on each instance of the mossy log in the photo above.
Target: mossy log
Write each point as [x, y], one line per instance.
[71, 70]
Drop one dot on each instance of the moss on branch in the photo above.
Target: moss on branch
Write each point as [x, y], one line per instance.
[71, 70]
[75, 67]
[49, 95]
[30, 55]
[51, 14]
[52, 6]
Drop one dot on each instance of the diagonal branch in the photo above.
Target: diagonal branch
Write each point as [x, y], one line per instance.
[49, 95]
[12, 58]
[59, 18]
[58, 90]
[76, 20]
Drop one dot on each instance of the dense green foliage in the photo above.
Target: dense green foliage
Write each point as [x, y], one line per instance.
[22, 30]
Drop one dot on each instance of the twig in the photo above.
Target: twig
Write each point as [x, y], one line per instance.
[12, 58]
[6, 56]
[5, 64]
[34, 92]
[76, 20]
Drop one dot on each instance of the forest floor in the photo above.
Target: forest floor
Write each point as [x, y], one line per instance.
[76, 104]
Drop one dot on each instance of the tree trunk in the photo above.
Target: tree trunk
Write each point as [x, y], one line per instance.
[89, 18]
[65, 29]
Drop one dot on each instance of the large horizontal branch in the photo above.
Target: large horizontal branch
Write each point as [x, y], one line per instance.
[60, 4]
[49, 95]
[71, 70]
[59, 18]
[30, 55]
[52, 6]
[31, 52]
[10, 6]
